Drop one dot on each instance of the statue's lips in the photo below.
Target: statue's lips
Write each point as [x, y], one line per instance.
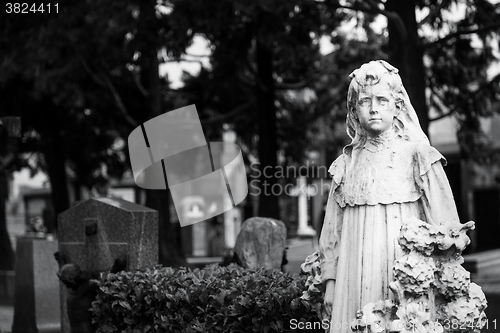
[375, 119]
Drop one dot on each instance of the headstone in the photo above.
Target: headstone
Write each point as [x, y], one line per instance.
[200, 246]
[7, 286]
[484, 266]
[36, 305]
[232, 226]
[261, 243]
[96, 232]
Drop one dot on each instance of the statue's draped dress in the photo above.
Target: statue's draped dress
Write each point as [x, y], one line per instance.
[376, 187]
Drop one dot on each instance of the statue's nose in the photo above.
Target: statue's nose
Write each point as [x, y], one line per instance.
[375, 106]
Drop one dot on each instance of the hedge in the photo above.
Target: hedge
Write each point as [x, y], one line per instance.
[212, 299]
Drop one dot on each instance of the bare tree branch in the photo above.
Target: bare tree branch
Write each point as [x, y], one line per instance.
[291, 86]
[461, 33]
[432, 13]
[444, 115]
[358, 9]
[191, 60]
[182, 90]
[306, 120]
[436, 93]
[90, 72]
[119, 102]
[438, 102]
[228, 115]
[375, 9]
[139, 85]
[198, 55]
[250, 67]
[107, 83]
[392, 16]
[184, 60]
[248, 81]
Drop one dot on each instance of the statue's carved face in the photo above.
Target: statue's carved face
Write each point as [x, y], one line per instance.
[376, 108]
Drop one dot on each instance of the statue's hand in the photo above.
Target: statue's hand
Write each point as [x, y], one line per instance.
[330, 289]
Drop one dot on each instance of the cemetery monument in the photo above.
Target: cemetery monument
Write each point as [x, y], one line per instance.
[97, 236]
[261, 242]
[390, 250]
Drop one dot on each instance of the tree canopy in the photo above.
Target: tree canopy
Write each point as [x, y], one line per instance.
[83, 81]
[268, 77]
[445, 50]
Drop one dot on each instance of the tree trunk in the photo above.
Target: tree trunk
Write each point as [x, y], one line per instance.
[77, 190]
[406, 54]
[56, 170]
[268, 146]
[170, 253]
[7, 254]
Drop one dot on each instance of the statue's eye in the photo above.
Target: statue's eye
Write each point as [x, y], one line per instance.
[383, 101]
[365, 102]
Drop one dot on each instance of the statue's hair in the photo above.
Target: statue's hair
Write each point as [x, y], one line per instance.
[369, 74]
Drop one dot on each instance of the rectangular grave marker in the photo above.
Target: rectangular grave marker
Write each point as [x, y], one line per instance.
[96, 232]
[36, 305]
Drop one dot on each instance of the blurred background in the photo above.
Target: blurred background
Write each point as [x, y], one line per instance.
[269, 75]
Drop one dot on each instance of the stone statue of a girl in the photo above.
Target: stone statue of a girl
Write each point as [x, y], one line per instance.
[388, 174]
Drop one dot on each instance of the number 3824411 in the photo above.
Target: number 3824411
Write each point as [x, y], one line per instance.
[26, 8]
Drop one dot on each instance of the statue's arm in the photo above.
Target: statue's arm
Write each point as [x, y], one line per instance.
[330, 239]
[437, 200]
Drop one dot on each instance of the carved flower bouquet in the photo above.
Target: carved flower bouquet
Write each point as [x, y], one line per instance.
[433, 292]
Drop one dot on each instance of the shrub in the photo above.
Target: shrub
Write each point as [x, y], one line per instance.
[212, 299]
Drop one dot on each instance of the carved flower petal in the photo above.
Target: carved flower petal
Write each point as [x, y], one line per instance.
[396, 326]
[377, 327]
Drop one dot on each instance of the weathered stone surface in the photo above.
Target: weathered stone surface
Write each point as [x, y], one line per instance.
[36, 302]
[389, 179]
[261, 243]
[96, 232]
[431, 288]
[483, 266]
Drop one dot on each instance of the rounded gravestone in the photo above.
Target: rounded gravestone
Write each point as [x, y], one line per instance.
[261, 243]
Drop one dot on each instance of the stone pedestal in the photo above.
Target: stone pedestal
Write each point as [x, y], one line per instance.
[96, 232]
[36, 302]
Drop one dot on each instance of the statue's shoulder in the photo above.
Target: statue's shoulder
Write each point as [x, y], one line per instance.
[423, 155]
[337, 170]
[428, 153]
[423, 151]
[338, 166]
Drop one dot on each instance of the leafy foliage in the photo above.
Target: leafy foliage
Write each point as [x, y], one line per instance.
[315, 292]
[290, 31]
[213, 299]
